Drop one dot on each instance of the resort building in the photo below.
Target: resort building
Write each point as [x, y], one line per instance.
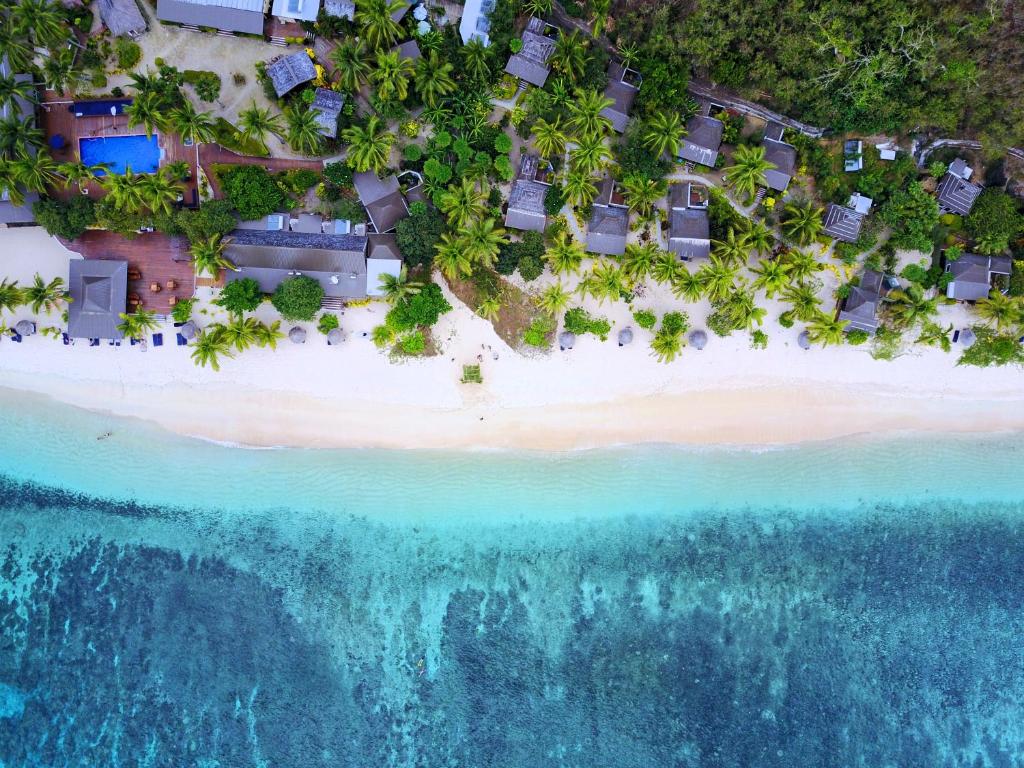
[20, 109]
[609, 221]
[476, 23]
[291, 71]
[844, 222]
[245, 16]
[410, 49]
[956, 193]
[121, 17]
[526, 200]
[99, 291]
[531, 63]
[382, 198]
[853, 155]
[689, 228]
[623, 84]
[702, 141]
[296, 10]
[328, 104]
[781, 155]
[973, 275]
[860, 309]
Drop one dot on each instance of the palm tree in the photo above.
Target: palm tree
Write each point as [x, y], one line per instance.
[803, 300]
[638, 261]
[748, 169]
[743, 310]
[718, 277]
[590, 154]
[605, 281]
[585, 116]
[392, 75]
[452, 258]
[36, 172]
[158, 192]
[489, 308]
[42, 20]
[642, 193]
[663, 134]
[825, 329]
[687, 285]
[12, 88]
[60, 72]
[16, 47]
[666, 346]
[210, 344]
[9, 181]
[734, 249]
[369, 146]
[433, 79]
[303, 130]
[147, 110]
[908, 306]
[801, 221]
[934, 335]
[759, 236]
[398, 287]
[125, 189]
[242, 332]
[192, 126]
[476, 60]
[537, 8]
[18, 137]
[570, 55]
[665, 268]
[352, 64]
[772, 276]
[45, 296]
[483, 239]
[137, 324]
[11, 296]
[998, 309]
[79, 173]
[554, 299]
[208, 256]
[379, 29]
[580, 189]
[802, 265]
[548, 138]
[464, 202]
[257, 123]
[600, 9]
[564, 256]
[269, 335]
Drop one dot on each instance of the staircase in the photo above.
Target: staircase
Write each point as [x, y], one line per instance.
[761, 192]
[332, 303]
[279, 42]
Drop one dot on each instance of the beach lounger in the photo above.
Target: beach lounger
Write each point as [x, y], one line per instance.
[956, 336]
[16, 337]
[66, 339]
[94, 342]
[182, 341]
[135, 341]
[158, 339]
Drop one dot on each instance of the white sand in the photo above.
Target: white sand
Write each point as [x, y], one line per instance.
[596, 394]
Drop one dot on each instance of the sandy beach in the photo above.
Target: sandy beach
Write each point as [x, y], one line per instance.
[597, 394]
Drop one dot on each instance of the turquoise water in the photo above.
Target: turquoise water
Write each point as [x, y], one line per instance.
[140, 153]
[166, 601]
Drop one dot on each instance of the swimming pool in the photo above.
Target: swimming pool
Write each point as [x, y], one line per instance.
[139, 153]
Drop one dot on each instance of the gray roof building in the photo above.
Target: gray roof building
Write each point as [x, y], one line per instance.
[399, 14]
[382, 199]
[299, 10]
[972, 275]
[609, 223]
[783, 157]
[956, 195]
[689, 229]
[526, 200]
[382, 258]
[22, 109]
[622, 93]
[229, 15]
[290, 71]
[475, 23]
[410, 49]
[531, 63]
[860, 308]
[328, 105]
[122, 17]
[99, 291]
[702, 141]
[842, 223]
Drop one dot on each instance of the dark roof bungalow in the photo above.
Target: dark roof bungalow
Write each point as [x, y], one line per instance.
[609, 223]
[972, 275]
[328, 105]
[122, 17]
[842, 223]
[689, 229]
[526, 200]
[229, 15]
[531, 63]
[860, 308]
[702, 141]
[382, 199]
[291, 71]
[956, 193]
[783, 157]
[410, 49]
[99, 292]
[21, 109]
[621, 92]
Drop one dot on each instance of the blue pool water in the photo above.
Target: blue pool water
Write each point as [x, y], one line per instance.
[165, 601]
[139, 153]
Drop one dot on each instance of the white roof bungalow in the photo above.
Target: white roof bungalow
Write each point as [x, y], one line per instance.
[297, 10]
[476, 22]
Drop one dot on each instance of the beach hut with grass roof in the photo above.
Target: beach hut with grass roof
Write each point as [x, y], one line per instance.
[566, 340]
[804, 340]
[297, 335]
[698, 339]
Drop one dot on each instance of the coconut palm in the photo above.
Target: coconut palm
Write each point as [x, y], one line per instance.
[303, 130]
[16, 48]
[398, 287]
[269, 335]
[554, 299]
[60, 73]
[433, 79]
[666, 346]
[209, 346]
[665, 268]
[191, 125]
[772, 276]
[36, 172]
[452, 258]
[79, 173]
[600, 9]
[537, 8]
[590, 154]
[718, 277]
[579, 187]
[642, 193]
[352, 64]
[392, 75]
[463, 202]
[137, 324]
[734, 249]
[374, 17]
[759, 236]
[242, 332]
[258, 123]
[43, 296]
[147, 110]
[12, 88]
[663, 133]
[382, 335]
[748, 169]
[570, 55]
[548, 138]
[687, 285]
[369, 146]
[489, 308]
[998, 309]
[208, 256]
[158, 192]
[742, 308]
[564, 256]
[990, 243]
[476, 60]
[802, 265]
[483, 239]
[605, 281]
[125, 190]
[179, 170]
[638, 261]
[19, 137]
[801, 222]
[908, 306]
[11, 296]
[803, 300]
[585, 117]
[825, 329]
[9, 181]
[41, 19]
[934, 335]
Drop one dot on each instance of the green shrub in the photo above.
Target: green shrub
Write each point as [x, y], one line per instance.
[578, 321]
[98, 80]
[539, 332]
[302, 179]
[67, 220]
[412, 153]
[212, 218]
[182, 311]
[128, 53]
[435, 170]
[418, 234]
[915, 273]
[339, 173]
[857, 337]
[503, 167]
[414, 343]
[645, 319]
[422, 309]
[240, 296]
[992, 349]
[511, 254]
[298, 298]
[503, 143]
[675, 323]
[530, 268]
[785, 320]
[554, 199]
[1016, 286]
[206, 83]
[328, 322]
[252, 191]
[759, 340]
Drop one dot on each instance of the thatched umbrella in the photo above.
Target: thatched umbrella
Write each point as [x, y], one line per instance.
[334, 336]
[566, 340]
[188, 330]
[698, 339]
[297, 335]
[967, 337]
[804, 340]
[625, 336]
[25, 328]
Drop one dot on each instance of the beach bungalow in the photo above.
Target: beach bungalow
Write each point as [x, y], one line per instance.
[476, 23]
[609, 222]
[342, 9]
[410, 50]
[531, 63]
[844, 222]
[291, 71]
[689, 228]
[853, 155]
[956, 193]
[702, 141]
[973, 275]
[382, 198]
[328, 104]
[20, 109]
[526, 200]
[99, 292]
[623, 84]
[860, 308]
[245, 16]
[781, 155]
[296, 10]
[121, 17]
[382, 258]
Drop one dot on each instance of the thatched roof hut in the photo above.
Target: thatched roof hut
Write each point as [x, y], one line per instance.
[625, 336]
[188, 330]
[804, 340]
[334, 337]
[698, 339]
[967, 337]
[25, 327]
[297, 335]
[566, 340]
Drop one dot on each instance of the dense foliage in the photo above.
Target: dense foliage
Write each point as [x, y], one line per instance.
[240, 296]
[252, 190]
[424, 308]
[68, 220]
[298, 298]
[418, 234]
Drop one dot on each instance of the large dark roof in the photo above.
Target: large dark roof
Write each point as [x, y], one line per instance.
[607, 230]
[410, 49]
[285, 239]
[972, 275]
[291, 71]
[622, 95]
[382, 199]
[783, 157]
[842, 223]
[99, 290]
[526, 205]
[232, 15]
[956, 195]
[702, 140]
[689, 233]
[122, 17]
[328, 105]
[531, 63]
[860, 308]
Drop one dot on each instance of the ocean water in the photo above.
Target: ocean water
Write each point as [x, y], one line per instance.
[169, 602]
